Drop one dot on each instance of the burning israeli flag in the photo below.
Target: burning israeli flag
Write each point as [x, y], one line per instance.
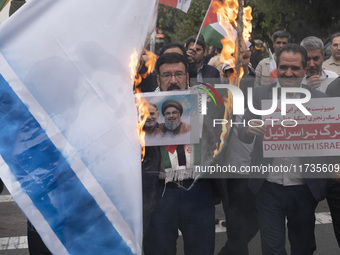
[70, 154]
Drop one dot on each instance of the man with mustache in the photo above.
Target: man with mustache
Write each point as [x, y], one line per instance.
[284, 195]
[316, 76]
[333, 63]
[191, 210]
[172, 110]
[172, 71]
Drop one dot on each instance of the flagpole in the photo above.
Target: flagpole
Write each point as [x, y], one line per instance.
[206, 14]
[238, 43]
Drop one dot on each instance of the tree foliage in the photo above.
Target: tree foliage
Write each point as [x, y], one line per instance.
[301, 18]
[177, 25]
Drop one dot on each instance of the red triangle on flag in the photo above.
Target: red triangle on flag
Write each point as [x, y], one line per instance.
[170, 148]
[211, 17]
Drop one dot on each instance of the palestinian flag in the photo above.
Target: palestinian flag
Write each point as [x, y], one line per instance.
[272, 67]
[183, 5]
[212, 31]
[179, 162]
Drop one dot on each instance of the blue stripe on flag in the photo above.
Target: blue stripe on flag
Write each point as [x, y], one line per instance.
[47, 178]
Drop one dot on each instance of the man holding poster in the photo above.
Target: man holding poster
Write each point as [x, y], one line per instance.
[282, 194]
[180, 206]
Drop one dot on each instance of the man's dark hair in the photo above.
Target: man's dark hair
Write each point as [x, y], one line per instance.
[172, 45]
[191, 39]
[171, 58]
[333, 36]
[292, 47]
[281, 33]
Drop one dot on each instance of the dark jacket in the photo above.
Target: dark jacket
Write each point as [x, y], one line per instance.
[150, 176]
[333, 89]
[209, 74]
[209, 71]
[317, 186]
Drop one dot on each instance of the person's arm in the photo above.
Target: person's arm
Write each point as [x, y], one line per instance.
[192, 58]
[314, 81]
[192, 55]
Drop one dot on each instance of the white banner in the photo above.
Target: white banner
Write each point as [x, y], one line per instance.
[299, 135]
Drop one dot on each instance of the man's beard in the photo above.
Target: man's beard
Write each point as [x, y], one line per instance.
[150, 123]
[173, 125]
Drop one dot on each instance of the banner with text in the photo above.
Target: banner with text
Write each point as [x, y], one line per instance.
[298, 135]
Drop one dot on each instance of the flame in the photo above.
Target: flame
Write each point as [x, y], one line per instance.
[247, 18]
[228, 10]
[141, 103]
[150, 63]
[228, 105]
[228, 13]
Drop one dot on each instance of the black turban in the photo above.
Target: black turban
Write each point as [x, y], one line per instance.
[172, 103]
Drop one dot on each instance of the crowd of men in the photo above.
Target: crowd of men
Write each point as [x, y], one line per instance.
[251, 203]
[173, 199]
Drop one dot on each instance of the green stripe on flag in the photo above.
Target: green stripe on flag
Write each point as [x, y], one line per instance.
[165, 158]
[212, 37]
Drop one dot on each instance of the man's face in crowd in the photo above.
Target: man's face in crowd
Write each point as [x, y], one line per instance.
[173, 77]
[280, 41]
[172, 118]
[153, 117]
[199, 51]
[314, 62]
[335, 48]
[290, 71]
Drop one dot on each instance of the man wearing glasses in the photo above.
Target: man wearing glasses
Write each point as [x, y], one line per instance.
[190, 210]
[172, 69]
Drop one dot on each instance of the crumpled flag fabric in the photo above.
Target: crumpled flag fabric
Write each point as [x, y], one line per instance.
[70, 154]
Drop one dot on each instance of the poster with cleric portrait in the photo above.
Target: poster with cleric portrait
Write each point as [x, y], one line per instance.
[174, 118]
